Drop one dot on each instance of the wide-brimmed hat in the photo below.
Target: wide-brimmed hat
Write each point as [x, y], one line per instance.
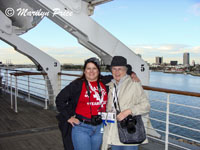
[118, 61]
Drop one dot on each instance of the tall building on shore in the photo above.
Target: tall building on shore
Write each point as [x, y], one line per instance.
[173, 63]
[193, 63]
[159, 60]
[186, 59]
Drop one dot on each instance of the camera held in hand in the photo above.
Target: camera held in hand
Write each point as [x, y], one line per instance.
[129, 122]
[96, 120]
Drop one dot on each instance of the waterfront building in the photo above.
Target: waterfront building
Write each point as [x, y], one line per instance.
[173, 63]
[186, 59]
[193, 63]
[159, 60]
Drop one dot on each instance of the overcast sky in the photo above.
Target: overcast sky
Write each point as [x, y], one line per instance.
[148, 27]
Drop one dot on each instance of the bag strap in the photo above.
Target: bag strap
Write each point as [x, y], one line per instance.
[114, 101]
[88, 92]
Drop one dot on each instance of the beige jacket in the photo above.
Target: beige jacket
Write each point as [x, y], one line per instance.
[131, 96]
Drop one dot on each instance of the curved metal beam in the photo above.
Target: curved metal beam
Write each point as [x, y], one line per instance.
[90, 34]
[48, 64]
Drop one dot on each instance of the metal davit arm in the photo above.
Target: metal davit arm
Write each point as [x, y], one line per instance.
[49, 65]
[89, 33]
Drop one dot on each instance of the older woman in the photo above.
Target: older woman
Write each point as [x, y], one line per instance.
[132, 100]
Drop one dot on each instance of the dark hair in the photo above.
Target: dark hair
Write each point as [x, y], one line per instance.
[96, 62]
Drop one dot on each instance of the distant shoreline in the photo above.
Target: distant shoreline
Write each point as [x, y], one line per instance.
[194, 74]
[174, 72]
[104, 69]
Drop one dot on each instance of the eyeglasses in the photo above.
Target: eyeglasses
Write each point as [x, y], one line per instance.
[93, 59]
[118, 69]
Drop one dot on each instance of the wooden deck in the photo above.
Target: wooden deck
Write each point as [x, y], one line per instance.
[32, 128]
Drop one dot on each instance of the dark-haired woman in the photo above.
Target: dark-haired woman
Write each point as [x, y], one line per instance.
[79, 105]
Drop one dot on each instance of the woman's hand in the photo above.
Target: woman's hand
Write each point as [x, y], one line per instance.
[123, 114]
[73, 121]
[134, 77]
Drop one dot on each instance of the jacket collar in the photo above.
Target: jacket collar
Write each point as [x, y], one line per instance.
[113, 81]
[121, 80]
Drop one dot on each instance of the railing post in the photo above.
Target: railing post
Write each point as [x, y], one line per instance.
[16, 94]
[11, 95]
[167, 124]
[6, 80]
[29, 97]
[59, 88]
[45, 105]
[1, 86]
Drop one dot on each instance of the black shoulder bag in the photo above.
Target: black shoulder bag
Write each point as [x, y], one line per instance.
[131, 129]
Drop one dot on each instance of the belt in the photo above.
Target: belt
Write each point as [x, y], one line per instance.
[84, 121]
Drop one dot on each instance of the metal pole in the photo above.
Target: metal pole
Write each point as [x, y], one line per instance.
[16, 94]
[6, 75]
[11, 96]
[45, 105]
[167, 124]
[1, 84]
[28, 89]
[59, 88]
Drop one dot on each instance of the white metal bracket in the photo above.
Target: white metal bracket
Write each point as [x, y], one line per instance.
[50, 65]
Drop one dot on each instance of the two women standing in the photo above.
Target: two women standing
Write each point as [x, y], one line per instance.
[82, 101]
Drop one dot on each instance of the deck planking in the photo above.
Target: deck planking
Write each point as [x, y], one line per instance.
[31, 128]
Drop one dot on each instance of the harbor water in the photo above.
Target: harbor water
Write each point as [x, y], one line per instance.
[177, 82]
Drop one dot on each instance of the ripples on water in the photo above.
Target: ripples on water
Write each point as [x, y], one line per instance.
[178, 82]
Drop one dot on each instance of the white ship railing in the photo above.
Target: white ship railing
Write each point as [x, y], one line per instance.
[188, 141]
[29, 83]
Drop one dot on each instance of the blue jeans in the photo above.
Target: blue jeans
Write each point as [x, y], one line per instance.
[87, 137]
[115, 147]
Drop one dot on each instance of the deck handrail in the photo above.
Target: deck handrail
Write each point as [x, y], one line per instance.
[172, 91]
[69, 74]
[27, 73]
